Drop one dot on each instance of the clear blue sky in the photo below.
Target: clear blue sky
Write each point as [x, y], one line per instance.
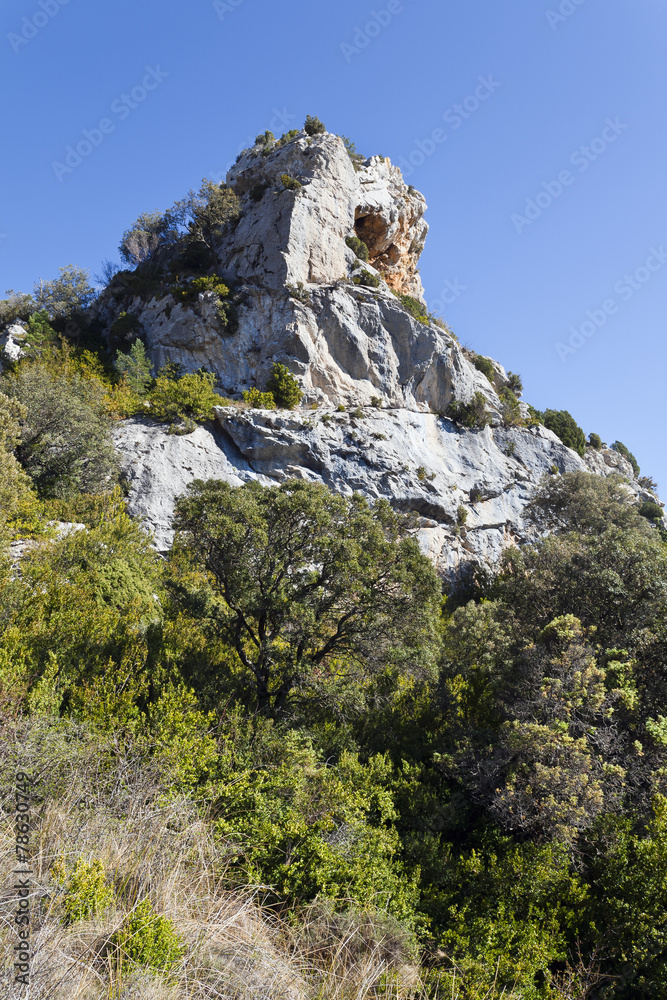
[553, 84]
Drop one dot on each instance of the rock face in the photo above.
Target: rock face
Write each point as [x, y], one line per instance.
[377, 376]
[10, 344]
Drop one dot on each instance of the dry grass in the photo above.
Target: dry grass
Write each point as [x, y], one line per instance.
[235, 948]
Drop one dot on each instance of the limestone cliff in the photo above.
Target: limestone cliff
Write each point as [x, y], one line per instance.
[353, 345]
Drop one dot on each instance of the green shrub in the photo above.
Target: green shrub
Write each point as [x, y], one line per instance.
[259, 400]
[16, 306]
[87, 893]
[66, 445]
[135, 368]
[358, 246]
[511, 408]
[40, 335]
[461, 515]
[67, 295]
[651, 511]
[485, 366]
[414, 307]
[566, 428]
[290, 183]
[648, 483]
[299, 292]
[595, 441]
[473, 415]
[147, 939]
[192, 396]
[376, 401]
[265, 139]
[313, 126]
[366, 279]
[514, 383]
[284, 387]
[622, 450]
[287, 137]
[357, 158]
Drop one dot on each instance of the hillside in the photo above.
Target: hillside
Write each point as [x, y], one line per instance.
[330, 669]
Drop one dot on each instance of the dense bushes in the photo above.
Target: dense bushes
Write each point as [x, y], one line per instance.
[473, 415]
[566, 428]
[65, 442]
[626, 453]
[284, 387]
[358, 246]
[313, 126]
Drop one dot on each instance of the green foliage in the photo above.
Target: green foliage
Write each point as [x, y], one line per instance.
[290, 183]
[259, 400]
[265, 139]
[17, 306]
[146, 939]
[311, 830]
[358, 246]
[367, 279]
[313, 126]
[135, 367]
[651, 511]
[566, 428]
[357, 158]
[414, 307]
[473, 415]
[299, 292]
[40, 337]
[149, 232]
[626, 453]
[511, 409]
[20, 512]
[461, 515]
[284, 387]
[514, 383]
[485, 366]
[308, 578]
[65, 438]
[190, 397]
[595, 441]
[66, 296]
[87, 893]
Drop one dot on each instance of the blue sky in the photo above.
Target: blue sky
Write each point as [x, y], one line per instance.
[536, 130]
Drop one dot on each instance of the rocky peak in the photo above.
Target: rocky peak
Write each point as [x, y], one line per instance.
[378, 374]
[298, 235]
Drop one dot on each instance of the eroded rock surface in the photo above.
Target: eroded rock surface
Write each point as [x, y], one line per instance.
[351, 345]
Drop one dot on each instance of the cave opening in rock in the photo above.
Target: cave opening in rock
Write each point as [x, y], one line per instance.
[372, 229]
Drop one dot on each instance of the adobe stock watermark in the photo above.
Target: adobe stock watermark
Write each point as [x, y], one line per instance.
[581, 158]
[31, 26]
[23, 793]
[364, 34]
[564, 11]
[449, 293]
[454, 117]
[225, 7]
[625, 289]
[121, 108]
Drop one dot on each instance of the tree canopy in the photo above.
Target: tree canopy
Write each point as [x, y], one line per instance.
[307, 576]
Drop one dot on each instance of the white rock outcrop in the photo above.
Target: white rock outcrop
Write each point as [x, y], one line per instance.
[355, 348]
